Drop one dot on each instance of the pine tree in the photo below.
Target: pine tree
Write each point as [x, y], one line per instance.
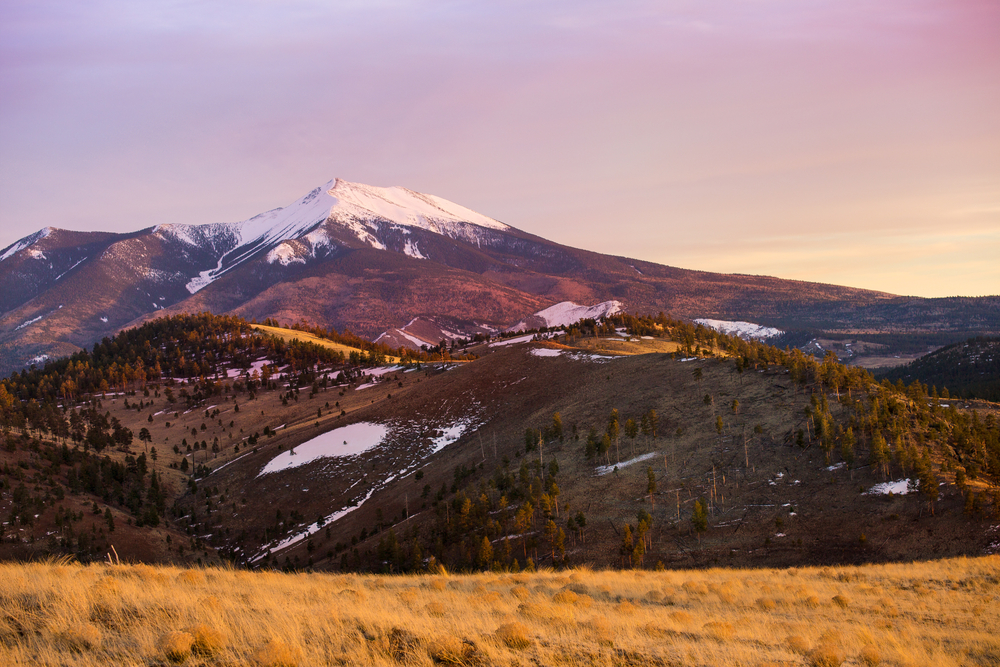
[699, 517]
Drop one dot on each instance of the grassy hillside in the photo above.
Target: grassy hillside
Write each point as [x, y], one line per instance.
[306, 337]
[934, 614]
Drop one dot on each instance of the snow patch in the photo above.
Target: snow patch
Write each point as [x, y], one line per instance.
[28, 322]
[285, 254]
[604, 470]
[545, 352]
[25, 242]
[898, 488]
[412, 250]
[450, 434]
[744, 330]
[567, 312]
[348, 440]
[512, 341]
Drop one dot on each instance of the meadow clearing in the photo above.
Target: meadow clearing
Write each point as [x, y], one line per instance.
[937, 613]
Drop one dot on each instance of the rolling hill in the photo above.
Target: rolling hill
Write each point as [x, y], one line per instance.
[625, 442]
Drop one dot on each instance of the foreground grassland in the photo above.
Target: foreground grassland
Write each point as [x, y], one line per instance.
[932, 613]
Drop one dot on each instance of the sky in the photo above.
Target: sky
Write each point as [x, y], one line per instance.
[843, 141]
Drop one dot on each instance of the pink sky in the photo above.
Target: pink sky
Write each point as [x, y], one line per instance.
[848, 142]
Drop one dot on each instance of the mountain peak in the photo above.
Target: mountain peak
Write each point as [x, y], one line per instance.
[405, 207]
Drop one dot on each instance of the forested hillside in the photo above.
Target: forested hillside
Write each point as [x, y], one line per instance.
[623, 442]
[970, 369]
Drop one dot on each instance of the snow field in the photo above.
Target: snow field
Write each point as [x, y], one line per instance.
[348, 440]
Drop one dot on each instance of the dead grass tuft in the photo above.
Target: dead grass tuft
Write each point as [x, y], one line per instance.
[191, 578]
[435, 609]
[682, 617]
[565, 597]
[449, 650]
[719, 630]
[176, 646]
[81, 637]
[826, 655]
[765, 604]
[626, 608]
[514, 635]
[870, 656]
[277, 653]
[797, 644]
[404, 646]
[207, 639]
[841, 601]
[520, 592]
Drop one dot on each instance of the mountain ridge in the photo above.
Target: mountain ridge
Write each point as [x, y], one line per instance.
[370, 259]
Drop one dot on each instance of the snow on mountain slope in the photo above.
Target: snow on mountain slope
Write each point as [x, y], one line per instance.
[566, 313]
[407, 208]
[744, 330]
[26, 242]
[359, 208]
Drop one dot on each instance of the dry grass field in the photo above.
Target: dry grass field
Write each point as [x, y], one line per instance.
[306, 337]
[937, 613]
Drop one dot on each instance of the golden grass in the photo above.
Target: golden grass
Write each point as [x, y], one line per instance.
[933, 613]
[292, 334]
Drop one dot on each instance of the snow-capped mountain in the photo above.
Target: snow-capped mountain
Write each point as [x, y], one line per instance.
[295, 233]
[371, 259]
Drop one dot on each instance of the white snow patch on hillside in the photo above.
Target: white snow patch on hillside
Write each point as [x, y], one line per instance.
[545, 352]
[25, 242]
[104, 319]
[39, 359]
[512, 341]
[285, 254]
[567, 312]
[744, 330]
[71, 268]
[348, 440]
[604, 470]
[450, 434]
[313, 528]
[412, 250]
[898, 488]
[28, 322]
